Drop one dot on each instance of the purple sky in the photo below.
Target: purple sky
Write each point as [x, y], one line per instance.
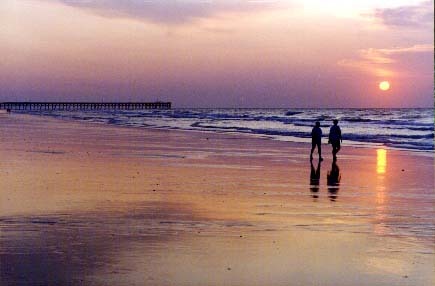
[219, 53]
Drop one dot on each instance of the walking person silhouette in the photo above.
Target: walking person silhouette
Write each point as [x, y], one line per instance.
[316, 140]
[335, 138]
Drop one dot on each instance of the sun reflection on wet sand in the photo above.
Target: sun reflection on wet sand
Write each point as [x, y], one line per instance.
[380, 217]
[381, 165]
[381, 162]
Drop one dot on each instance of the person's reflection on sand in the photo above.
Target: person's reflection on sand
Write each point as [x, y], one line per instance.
[333, 180]
[315, 180]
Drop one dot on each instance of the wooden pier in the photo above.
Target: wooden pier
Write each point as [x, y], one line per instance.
[43, 106]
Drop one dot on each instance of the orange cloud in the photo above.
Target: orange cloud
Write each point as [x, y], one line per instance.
[380, 62]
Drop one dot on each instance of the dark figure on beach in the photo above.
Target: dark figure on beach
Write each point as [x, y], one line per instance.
[333, 180]
[316, 140]
[315, 179]
[335, 138]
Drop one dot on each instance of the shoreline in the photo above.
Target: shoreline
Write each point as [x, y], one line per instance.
[353, 144]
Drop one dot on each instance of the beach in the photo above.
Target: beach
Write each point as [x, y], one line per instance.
[95, 204]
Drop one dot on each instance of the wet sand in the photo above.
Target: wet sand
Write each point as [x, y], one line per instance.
[87, 204]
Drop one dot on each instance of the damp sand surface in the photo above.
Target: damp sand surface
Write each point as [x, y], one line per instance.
[92, 204]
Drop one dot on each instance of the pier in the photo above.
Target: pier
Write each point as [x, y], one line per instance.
[43, 106]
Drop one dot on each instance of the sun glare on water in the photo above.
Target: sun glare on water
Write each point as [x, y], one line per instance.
[384, 85]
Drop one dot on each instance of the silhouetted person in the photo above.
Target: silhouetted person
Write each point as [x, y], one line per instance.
[335, 139]
[316, 140]
[333, 180]
[315, 179]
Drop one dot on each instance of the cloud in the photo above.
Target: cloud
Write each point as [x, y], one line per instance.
[384, 62]
[413, 49]
[407, 16]
[171, 12]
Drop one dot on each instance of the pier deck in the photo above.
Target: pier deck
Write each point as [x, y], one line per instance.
[84, 105]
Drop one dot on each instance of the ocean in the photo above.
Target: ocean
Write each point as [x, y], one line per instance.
[408, 129]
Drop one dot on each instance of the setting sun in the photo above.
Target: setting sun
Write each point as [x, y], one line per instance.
[384, 85]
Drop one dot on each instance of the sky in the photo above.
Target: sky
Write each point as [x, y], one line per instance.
[262, 54]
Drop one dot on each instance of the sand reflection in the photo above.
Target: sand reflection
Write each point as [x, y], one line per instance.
[333, 180]
[381, 161]
[71, 249]
[315, 180]
[381, 196]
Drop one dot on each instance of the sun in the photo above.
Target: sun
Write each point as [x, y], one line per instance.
[384, 85]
